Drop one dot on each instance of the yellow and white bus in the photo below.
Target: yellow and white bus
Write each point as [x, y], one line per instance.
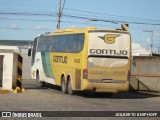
[83, 59]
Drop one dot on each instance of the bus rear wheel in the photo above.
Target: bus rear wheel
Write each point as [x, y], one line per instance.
[63, 85]
[70, 90]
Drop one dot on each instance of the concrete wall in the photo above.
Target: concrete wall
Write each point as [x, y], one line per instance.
[146, 67]
[8, 70]
[1, 70]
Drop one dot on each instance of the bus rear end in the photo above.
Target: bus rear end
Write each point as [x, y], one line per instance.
[108, 65]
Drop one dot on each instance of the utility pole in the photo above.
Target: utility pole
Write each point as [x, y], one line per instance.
[151, 40]
[59, 14]
[159, 48]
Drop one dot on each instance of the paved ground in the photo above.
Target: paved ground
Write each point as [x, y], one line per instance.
[51, 99]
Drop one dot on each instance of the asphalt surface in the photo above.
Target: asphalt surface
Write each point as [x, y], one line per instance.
[50, 98]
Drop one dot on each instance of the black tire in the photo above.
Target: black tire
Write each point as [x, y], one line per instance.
[39, 83]
[63, 85]
[70, 90]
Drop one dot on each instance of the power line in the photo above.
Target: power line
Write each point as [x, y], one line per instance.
[90, 19]
[112, 15]
[63, 6]
[28, 19]
[27, 14]
[81, 17]
[111, 21]
[71, 22]
[45, 20]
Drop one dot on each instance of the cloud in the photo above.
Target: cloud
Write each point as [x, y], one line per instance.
[40, 27]
[138, 49]
[13, 27]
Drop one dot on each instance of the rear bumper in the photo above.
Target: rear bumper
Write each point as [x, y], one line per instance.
[114, 86]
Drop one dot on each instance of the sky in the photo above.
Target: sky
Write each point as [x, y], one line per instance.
[25, 19]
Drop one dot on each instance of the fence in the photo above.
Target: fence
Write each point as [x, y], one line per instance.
[145, 74]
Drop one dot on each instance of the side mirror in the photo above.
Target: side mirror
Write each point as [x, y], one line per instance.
[29, 51]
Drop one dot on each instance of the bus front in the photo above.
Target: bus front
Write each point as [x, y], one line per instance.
[108, 62]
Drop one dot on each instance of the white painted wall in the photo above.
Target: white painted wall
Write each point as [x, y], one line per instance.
[14, 48]
[9, 70]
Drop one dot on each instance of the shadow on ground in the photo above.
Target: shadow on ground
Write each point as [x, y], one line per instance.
[128, 95]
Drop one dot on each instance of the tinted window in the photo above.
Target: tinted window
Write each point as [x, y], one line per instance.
[62, 43]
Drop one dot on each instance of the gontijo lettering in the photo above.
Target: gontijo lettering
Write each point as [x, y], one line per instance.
[108, 52]
[60, 59]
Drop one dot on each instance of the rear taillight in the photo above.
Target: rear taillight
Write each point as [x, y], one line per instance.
[85, 74]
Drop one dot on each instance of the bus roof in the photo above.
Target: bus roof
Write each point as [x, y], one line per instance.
[82, 30]
[73, 30]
